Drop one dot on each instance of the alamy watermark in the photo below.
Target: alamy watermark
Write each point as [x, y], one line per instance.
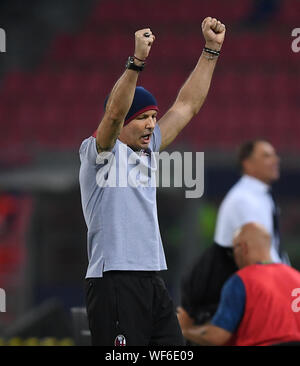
[296, 303]
[152, 169]
[2, 301]
[2, 40]
[296, 42]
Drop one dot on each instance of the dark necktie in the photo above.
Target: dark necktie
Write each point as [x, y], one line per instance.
[276, 227]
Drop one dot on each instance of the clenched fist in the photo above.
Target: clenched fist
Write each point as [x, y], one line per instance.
[214, 33]
[144, 39]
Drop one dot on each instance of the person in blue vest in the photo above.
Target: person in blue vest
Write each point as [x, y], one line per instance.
[259, 304]
[250, 199]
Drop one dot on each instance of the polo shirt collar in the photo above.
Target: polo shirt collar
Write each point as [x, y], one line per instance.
[255, 183]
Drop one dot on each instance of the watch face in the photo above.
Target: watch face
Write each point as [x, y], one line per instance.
[131, 65]
[130, 62]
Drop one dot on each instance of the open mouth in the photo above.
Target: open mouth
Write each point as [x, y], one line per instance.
[146, 138]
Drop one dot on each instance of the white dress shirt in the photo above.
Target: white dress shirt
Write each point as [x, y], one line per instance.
[247, 201]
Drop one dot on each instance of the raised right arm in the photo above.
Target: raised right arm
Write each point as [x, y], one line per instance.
[121, 96]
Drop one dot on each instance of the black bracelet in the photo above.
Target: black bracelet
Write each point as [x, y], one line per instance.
[212, 52]
[139, 59]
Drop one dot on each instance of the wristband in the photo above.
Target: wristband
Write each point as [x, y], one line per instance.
[138, 59]
[209, 57]
[131, 65]
[212, 52]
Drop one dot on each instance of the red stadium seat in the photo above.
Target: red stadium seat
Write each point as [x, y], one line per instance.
[288, 13]
[251, 94]
[15, 84]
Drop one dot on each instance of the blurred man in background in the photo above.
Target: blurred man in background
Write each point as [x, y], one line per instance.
[256, 302]
[249, 200]
[127, 302]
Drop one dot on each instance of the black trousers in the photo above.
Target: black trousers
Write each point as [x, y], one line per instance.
[131, 308]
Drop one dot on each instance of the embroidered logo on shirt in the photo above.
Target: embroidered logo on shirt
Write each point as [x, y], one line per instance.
[120, 340]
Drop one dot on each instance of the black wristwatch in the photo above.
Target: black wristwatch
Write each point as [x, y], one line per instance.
[132, 66]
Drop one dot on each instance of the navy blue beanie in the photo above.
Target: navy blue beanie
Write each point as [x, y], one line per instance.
[143, 101]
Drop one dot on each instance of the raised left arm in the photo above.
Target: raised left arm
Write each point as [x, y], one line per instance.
[194, 91]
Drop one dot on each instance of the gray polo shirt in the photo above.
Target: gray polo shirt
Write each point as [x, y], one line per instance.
[123, 231]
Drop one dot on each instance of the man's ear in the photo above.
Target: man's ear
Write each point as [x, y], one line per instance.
[245, 248]
[246, 165]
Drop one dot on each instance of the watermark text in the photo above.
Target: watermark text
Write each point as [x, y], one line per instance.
[2, 301]
[296, 42]
[122, 168]
[296, 303]
[2, 40]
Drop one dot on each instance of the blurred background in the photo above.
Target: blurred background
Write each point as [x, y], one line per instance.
[62, 58]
